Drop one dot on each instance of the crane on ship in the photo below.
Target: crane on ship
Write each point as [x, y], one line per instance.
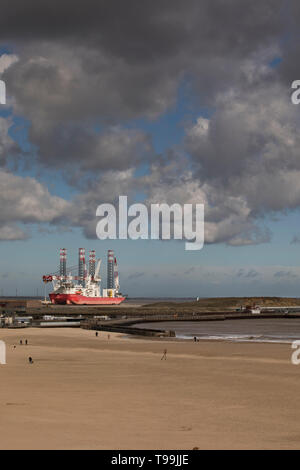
[83, 287]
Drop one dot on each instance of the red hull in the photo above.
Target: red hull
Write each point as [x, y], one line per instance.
[76, 299]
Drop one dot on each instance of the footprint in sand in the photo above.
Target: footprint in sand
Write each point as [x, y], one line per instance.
[185, 428]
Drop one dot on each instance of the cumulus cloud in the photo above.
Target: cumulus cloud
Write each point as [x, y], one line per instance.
[227, 219]
[13, 232]
[81, 83]
[116, 62]
[6, 60]
[26, 201]
[247, 154]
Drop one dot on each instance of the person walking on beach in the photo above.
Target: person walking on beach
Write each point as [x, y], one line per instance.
[96, 334]
[164, 356]
[26, 342]
[30, 360]
[21, 342]
[108, 336]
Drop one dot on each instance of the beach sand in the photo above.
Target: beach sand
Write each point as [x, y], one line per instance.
[84, 392]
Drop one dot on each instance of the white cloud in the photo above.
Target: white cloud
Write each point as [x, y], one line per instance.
[6, 60]
[25, 201]
[12, 232]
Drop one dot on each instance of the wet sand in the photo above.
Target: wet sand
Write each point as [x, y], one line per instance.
[84, 392]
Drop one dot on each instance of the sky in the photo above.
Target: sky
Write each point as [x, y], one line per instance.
[164, 102]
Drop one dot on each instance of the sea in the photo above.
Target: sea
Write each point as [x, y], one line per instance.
[270, 330]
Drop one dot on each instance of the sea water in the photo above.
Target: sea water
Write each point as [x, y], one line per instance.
[270, 330]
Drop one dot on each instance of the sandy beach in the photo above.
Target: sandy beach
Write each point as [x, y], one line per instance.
[84, 392]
